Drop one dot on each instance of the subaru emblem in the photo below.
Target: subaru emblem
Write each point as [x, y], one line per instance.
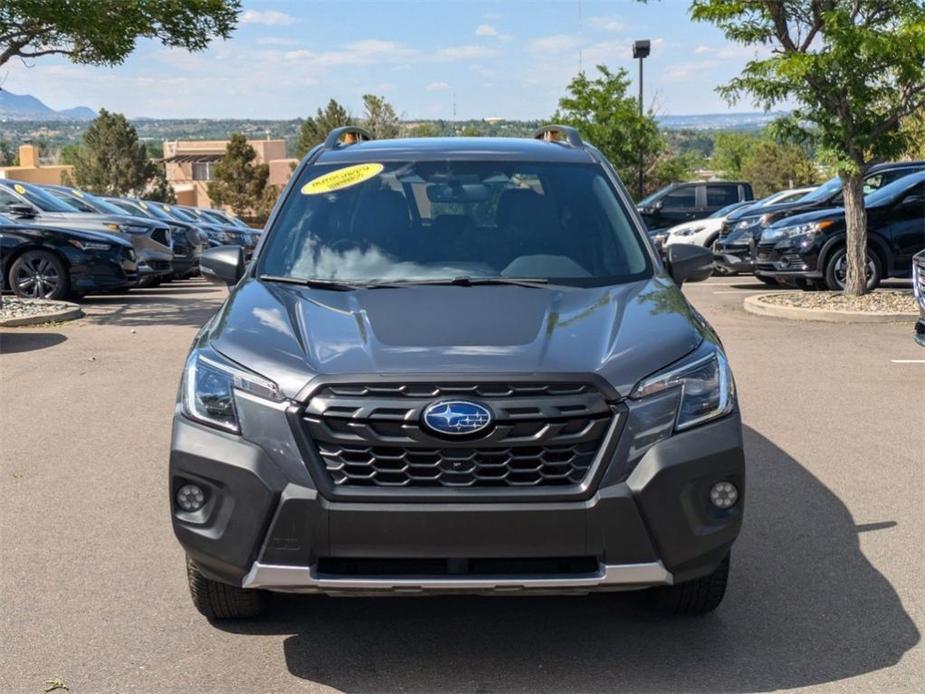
[456, 417]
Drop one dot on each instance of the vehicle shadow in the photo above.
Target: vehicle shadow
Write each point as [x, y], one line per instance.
[182, 302]
[804, 607]
[13, 342]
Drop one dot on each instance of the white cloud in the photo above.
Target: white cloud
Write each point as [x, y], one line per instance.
[464, 52]
[437, 87]
[557, 43]
[701, 49]
[275, 41]
[485, 30]
[267, 17]
[607, 23]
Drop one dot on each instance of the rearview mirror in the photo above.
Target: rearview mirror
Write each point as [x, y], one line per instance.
[689, 263]
[222, 264]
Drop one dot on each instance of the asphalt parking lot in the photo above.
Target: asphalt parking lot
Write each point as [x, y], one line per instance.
[827, 578]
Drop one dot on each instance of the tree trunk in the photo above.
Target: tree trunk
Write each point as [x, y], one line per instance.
[856, 220]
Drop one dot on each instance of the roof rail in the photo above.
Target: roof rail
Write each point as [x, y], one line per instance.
[558, 133]
[351, 134]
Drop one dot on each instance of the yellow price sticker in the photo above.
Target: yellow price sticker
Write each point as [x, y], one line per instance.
[342, 178]
[166, 208]
[78, 193]
[19, 188]
[142, 205]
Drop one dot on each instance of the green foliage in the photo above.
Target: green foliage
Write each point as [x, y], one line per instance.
[771, 166]
[379, 117]
[8, 154]
[237, 181]
[104, 32]
[423, 130]
[607, 117]
[856, 70]
[110, 160]
[730, 152]
[314, 130]
[670, 168]
[159, 188]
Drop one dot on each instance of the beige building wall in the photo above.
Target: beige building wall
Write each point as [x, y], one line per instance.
[189, 164]
[30, 171]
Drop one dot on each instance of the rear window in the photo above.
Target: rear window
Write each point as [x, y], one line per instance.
[442, 220]
[720, 196]
[683, 198]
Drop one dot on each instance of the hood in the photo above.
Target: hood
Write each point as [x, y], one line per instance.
[809, 217]
[83, 234]
[751, 211]
[290, 334]
[99, 220]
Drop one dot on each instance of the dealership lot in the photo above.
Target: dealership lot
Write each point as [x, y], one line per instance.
[827, 578]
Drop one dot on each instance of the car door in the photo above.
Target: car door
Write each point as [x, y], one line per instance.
[907, 227]
[680, 205]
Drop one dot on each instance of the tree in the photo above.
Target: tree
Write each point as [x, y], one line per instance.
[423, 130]
[110, 160]
[601, 110]
[731, 151]
[856, 70]
[104, 32]
[380, 118]
[159, 187]
[771, 166]
[314, 130]
[237, 181]
[670, 168]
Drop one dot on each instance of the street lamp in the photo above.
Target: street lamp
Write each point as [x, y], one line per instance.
[641, 50]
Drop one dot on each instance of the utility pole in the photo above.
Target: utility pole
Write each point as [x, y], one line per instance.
[641, 50]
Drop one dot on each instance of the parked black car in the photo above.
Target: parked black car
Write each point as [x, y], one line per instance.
[685, 202]
[918, 286]
[33, 204]
[811, 247]
[734, 250]
[456, 365]
[187, 241]
[52, 263]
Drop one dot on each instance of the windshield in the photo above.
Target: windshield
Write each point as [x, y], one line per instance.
[723, 211]
[823, 192]
[444, 220]
[42, 199]
[892, 191]
[176, 212]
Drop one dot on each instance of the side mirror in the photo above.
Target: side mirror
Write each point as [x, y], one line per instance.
[689, 263]
[222, 264]
[913, 200]
[20, 210]
[658, 205]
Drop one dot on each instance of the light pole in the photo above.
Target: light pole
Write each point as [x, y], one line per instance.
[641, 50]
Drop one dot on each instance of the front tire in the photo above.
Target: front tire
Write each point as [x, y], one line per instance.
[836, 270]
[698, 597]
[768, 280]
[39, 275]
[216, 600]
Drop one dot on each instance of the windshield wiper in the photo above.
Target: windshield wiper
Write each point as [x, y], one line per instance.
[333, 285]
[463, 282]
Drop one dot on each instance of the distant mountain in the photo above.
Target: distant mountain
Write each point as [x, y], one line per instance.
[27, 107]
[720, 121]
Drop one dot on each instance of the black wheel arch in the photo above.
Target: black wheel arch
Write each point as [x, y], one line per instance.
[8, 260]
[875, 242]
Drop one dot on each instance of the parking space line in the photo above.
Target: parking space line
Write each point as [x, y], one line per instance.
[908, 361]
[736, 291]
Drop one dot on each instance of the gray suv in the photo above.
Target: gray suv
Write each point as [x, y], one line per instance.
[456, 366]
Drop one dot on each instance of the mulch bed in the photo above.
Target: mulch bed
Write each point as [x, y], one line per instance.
[877, 301]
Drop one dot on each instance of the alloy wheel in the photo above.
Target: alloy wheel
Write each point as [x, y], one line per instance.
[841, 271]
[36, 276]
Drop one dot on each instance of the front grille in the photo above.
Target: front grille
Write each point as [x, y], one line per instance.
[159, 264]
[918, 279]
[542, 435]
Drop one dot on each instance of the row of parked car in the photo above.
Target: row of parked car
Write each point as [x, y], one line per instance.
[797, 237]
[60, 242]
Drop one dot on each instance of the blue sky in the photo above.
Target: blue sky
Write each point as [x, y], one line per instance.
[508, 59]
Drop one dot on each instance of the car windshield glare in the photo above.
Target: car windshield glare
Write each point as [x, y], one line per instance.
[374, 222]
[823, 192]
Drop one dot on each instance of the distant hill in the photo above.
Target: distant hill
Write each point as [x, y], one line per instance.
[27, 107]
[720, 121]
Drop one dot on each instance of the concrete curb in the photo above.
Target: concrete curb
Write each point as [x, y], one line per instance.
[754, 304]
[66, 311]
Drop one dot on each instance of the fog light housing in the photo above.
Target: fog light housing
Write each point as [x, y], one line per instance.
[190, 497]
[724, 495]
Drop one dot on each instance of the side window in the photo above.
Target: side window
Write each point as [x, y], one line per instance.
[720, 196]
[7, 199]
[682, 198]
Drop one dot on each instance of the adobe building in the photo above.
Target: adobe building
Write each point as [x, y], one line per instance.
[31, 171]
[189, 165]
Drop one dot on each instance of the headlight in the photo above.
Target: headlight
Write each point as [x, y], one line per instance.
[704, 379]
[89, 245]
[775, 234]
[208, 391]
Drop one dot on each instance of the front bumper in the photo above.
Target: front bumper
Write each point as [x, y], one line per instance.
[733, 257]
[265, 523]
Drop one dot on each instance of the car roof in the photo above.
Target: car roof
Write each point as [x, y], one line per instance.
[457, 148]
[897, 165]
